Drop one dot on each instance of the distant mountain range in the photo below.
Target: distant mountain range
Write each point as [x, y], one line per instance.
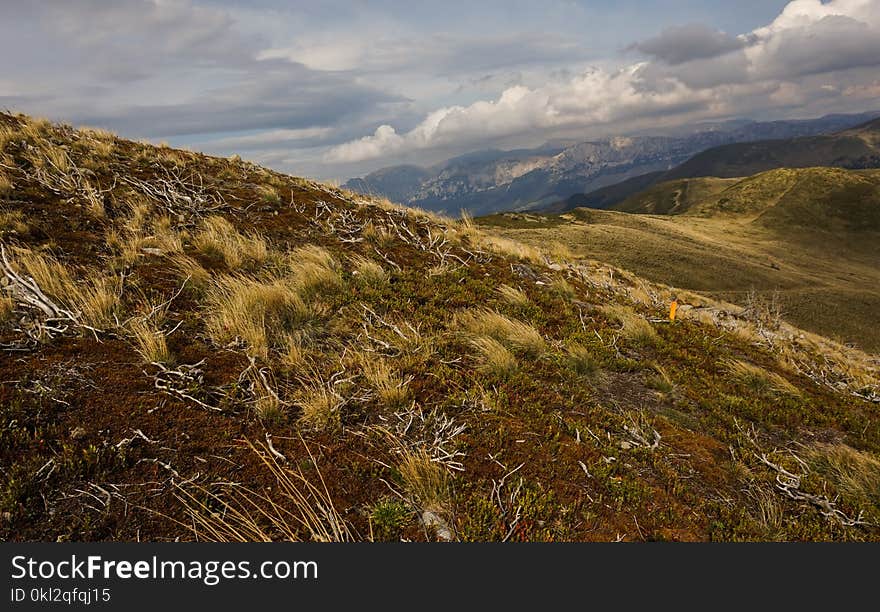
[853, 148]
[491, 181]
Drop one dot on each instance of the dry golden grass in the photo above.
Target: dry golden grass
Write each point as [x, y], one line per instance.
[99, 143]
[367, 272]
[149, 342]
[33, 129]
[95, 301]
[513, 296]
[757, 379]
[218, 239]
[267, 404]
[580, 359]
[660, 379]
[427, 484]
[633, 326]
[509, 248]
[313, 271]
[378, 235]
[296, 509]
[5, 184]
[7, 135]
[854, 473]
[390, 386]
[51, 276]
[192, 271]
[13, 222]
[512, 332]
[98, 301]
[320, 404]
[494, 357]
[254, 312]
[563, 288]
[268, 194]
[559, 251]
[293, 355]
[7, 307]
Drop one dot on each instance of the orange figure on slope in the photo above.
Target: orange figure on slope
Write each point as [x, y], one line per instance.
[672, 308]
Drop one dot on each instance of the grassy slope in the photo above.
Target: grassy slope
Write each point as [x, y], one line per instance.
[810, 234]
[858, 147]
[351, 336]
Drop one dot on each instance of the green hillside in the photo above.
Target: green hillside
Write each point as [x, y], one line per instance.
[805, 237]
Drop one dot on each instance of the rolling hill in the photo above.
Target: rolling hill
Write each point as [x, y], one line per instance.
[854, 148]
[807, 237]
[194, 347]
[490, 181]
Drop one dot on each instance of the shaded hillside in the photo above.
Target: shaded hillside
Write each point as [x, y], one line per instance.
[397, 183]
[807, 238]
[196, 347]
[856, 148]
[829, 199]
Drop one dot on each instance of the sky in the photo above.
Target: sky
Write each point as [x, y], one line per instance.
[331, 89]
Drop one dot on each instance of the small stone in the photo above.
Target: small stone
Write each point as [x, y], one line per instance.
[78, 433]
[625, 445]
[441, 529]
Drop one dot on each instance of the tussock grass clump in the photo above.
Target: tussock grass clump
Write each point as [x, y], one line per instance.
[150, 342]
[561, 252]
[367, 272]
[580, 359]
[427, 483]
[192, 271]
[633, 326]
[378, 235]
[145, 233]
[255, 312]
[218, 239]
[94, 301]
[293, 354]
[51, 275]
[513, 296]
[854, 473]
[512, 332]
[494, 357]
[509, 248]
[7, 308]
[313, 271]
[388, 383]
[563, 289]
[758, 380]
[5, 184]
[267, 404]
[98, 300]
[268, 194]
[298, 508]
[320, 404]
[660, 379]
[13, 221]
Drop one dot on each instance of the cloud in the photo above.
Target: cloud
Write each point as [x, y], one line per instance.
[680, 44]
[591, 97]
[438, 54]
[696, 72]
[162, 68]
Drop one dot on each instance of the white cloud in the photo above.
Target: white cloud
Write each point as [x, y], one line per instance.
[708, 76]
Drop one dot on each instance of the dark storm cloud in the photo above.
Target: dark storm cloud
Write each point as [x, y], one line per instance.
[680, 44]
